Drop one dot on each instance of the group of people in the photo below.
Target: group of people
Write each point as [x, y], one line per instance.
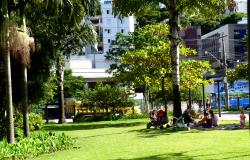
[209, 120]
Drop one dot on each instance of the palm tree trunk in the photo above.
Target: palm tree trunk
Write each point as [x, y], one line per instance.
[173, 22]
[9, 105]
[26, 129]
[9, 108]
[60, 76]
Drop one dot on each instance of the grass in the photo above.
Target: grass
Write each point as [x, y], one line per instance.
[130, 140]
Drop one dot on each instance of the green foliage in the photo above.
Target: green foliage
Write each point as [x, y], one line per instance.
[149, 60]
[151, 15]
[2, 127]
[35, 123]
[106, 97]
[209, 23]
[39, 143]
[143, 56]
[134, 116]
[74, 86]
[192, 73]
[209, 7]
[240, 72]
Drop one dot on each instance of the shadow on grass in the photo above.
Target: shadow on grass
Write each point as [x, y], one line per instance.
[182, 156]
[179, 156]
[88, 126]
[151, 133]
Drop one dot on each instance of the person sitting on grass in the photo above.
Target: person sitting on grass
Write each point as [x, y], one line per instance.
[242, 119]
[214, 118]
[206, 121]
[188, 119]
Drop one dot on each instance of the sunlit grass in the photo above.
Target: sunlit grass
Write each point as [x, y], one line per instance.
[130, 140]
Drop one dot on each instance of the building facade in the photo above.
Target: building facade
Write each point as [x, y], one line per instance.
[112, 25]
[234, 46]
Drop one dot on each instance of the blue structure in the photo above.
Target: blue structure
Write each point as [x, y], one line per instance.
[238, 95]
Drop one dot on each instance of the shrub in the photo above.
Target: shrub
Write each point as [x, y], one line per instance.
[39, 143]
[35, 122]
[2, 127]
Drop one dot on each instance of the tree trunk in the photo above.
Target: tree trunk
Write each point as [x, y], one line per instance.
[9, 108]
[9, 105]
[173, 22]
[163, 94]
[146, 99]
[107, 111]
[26, 129]
[189, 99]
[60, 76]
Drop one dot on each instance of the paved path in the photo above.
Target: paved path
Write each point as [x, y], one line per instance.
[232, 116]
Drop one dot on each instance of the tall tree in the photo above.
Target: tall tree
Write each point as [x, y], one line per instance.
[6, 51]
[67, 34]
[21, 45]
[175, 8]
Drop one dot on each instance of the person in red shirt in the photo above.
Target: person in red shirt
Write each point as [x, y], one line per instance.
[242, 119]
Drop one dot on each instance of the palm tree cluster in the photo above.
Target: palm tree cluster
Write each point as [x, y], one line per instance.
[17, 44]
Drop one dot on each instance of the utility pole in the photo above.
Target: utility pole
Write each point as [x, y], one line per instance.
[219, 103]
[248, 45]
[226, 96]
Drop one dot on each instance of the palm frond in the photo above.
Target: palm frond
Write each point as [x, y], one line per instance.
[21, 45]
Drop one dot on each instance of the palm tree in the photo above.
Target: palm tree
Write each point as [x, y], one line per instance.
[21, 44]
[4, 43]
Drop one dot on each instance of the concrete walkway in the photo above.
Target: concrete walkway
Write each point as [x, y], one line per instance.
[232, 116]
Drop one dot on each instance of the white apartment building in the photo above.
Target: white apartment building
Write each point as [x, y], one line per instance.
[93, 65]
[112, 25]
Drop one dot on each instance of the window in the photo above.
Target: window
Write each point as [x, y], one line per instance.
[107, 2]
[107, 11]
[122, 30]
[108, 30]
[121, 21]
[109, 40]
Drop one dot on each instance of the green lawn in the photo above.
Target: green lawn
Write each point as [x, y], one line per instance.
[129, 140]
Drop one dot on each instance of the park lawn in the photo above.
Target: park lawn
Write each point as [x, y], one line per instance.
[130, 140]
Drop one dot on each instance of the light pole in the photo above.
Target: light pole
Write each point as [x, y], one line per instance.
[248, 46]
[226, 96]
[224, 65]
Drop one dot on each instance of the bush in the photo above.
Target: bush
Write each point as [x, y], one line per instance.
[2, 127]
[35, 121]
[44, 142]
